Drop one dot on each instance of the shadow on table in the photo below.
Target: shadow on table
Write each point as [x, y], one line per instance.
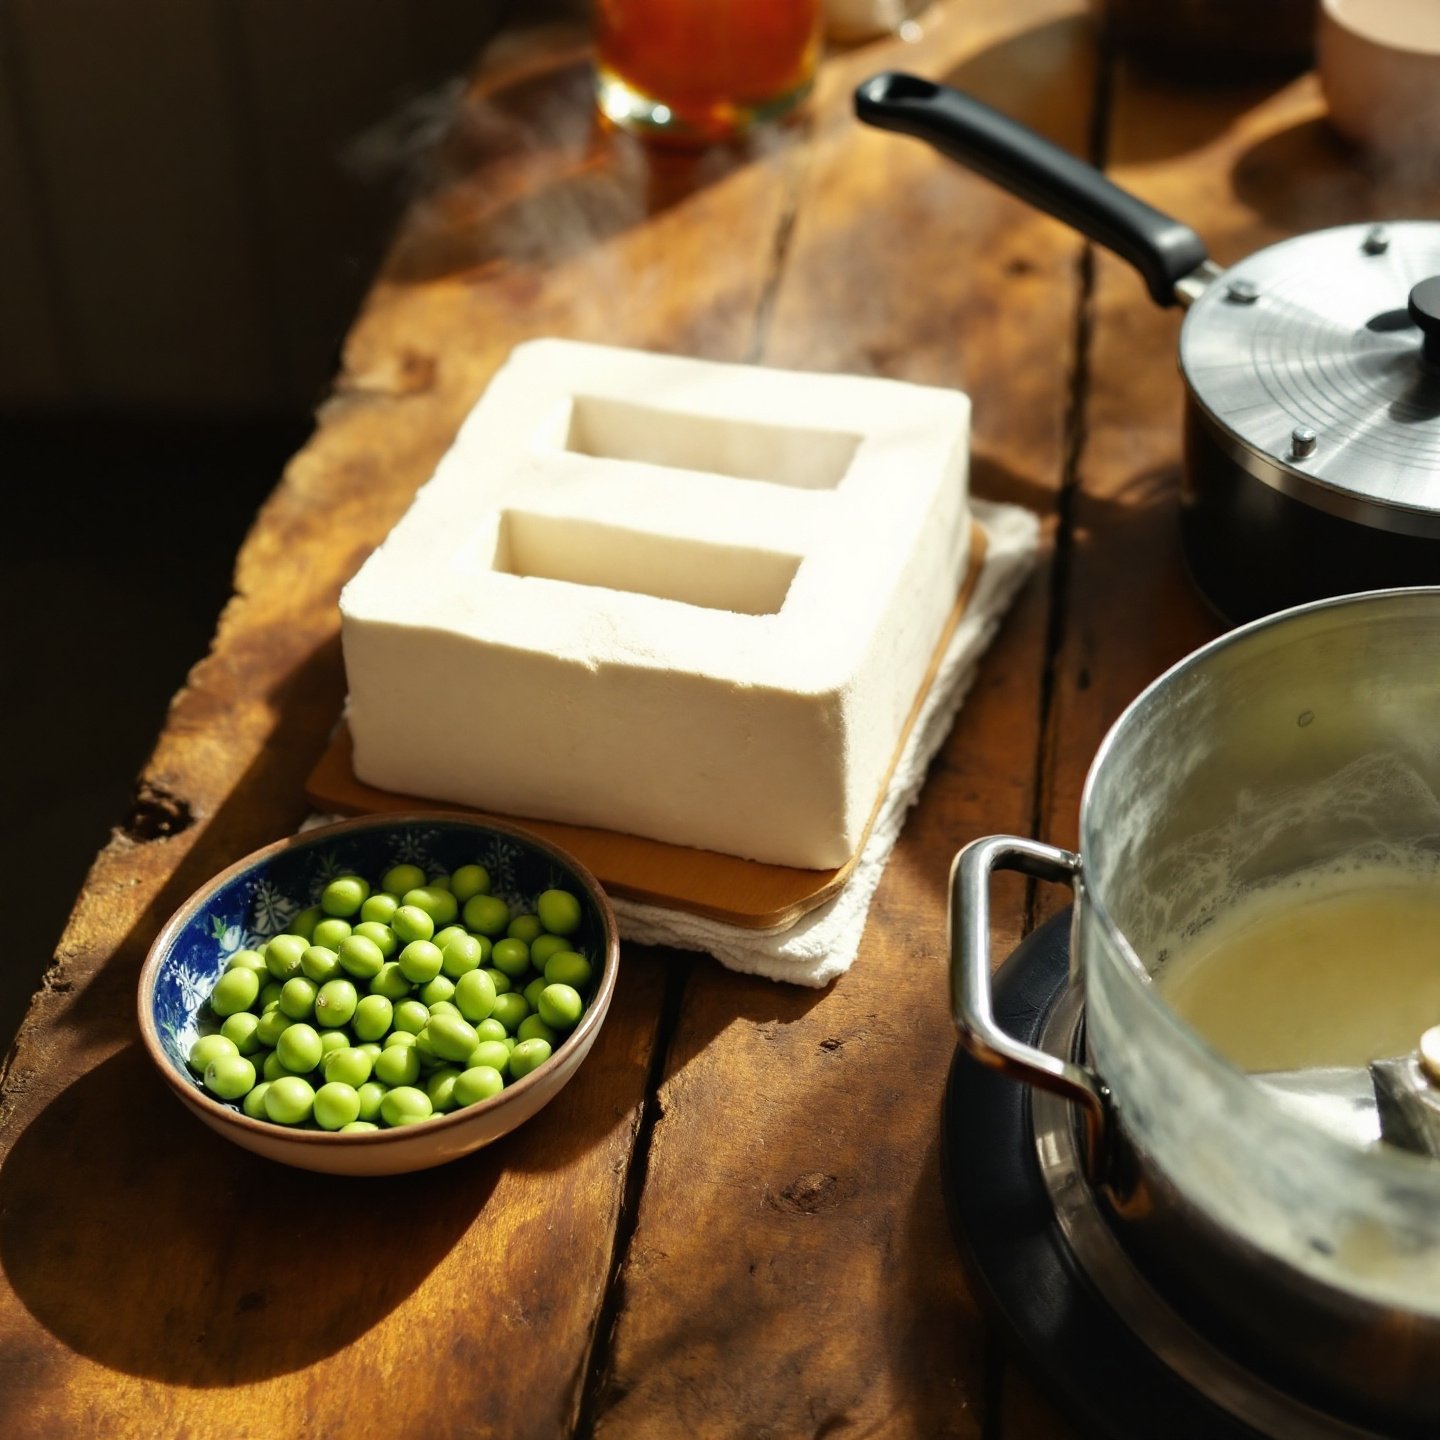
[1047, 77]
[1306, 177]
[146, 1243]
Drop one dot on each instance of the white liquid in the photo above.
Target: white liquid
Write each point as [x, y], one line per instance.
[1339, 972]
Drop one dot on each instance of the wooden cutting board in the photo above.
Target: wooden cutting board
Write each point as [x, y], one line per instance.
[747, 893]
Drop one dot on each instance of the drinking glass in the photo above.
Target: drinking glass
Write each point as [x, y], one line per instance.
[698, 70]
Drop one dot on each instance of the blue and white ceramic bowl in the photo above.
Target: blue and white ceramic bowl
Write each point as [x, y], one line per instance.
[255, 898]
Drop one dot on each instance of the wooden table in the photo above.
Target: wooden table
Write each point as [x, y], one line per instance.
[732, 1224]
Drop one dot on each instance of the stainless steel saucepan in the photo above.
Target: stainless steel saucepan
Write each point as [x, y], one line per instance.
[1303, 744]
[1312, 434]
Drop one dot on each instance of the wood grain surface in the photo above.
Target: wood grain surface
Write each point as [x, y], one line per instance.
[732, 1223]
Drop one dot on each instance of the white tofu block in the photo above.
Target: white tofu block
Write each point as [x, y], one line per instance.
[668, 597]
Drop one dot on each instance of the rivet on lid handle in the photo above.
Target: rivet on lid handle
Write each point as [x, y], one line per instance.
[1376, 241]
[1430, 1054]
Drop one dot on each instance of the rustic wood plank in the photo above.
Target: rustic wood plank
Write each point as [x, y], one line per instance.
[155, 1279]
[791, 1272]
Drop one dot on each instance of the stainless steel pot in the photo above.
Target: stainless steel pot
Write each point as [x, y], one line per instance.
[1312, 432]
[1306, 739]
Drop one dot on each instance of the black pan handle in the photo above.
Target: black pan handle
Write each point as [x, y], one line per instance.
[1163, 250]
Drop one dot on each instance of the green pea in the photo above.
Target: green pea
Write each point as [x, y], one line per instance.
[254, 1102]
[360, 957]
[412, 1016]
[374, 1014]
[479, 1082]
[405, 1105]
[330, 1042]
[469, 880]
[444, 1007]
[440, 905]
[319, 964]
[297, 999]
[358, 1127]
[289, 1100]
[390, 982]
[331, 932]
[412, 923]
[491, 1053]
[440, 1086]
[475, 995]
[500, 980]
[229, 1076]
[299, 1049]
[486, 915]
[452, 1037]
[512, 956]
[397, 1065]
[424, 1049]
[273, 1024]
[461, 955]
[532, 1027]
[381, 936]
[442, 987]
[398, 1037]
[490, 1029]
[400, 878]
[241, 1029]
[282, 955]
[273, 1067]
[528, 1055]
[532, 991]
[336, 1003]
[234, 991]
[510, 1009]
[350, 1066]
[525, 927]
[420, 962]
[560, 1006]
[559, 912]
[336, 1105]
[208, 1048]
[441, 938]
[567, 967]
[269, 996]
[380, 908]
[305, 922]
[370, 1094]
[247, 960]
[439, 882]
[542, 948]
[344, 896]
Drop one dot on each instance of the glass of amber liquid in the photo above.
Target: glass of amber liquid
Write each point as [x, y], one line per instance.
[692, 71]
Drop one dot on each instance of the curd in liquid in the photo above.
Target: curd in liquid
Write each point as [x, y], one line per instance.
[1341, 972]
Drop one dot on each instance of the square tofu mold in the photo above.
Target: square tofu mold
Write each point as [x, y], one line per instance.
[674, 598]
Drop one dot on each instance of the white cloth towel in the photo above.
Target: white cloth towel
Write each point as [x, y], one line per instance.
[823, 943]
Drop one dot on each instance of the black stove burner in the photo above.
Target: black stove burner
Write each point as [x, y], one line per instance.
[1098, 1370]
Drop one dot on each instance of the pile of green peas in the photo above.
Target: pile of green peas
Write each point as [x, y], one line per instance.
[386, 1007]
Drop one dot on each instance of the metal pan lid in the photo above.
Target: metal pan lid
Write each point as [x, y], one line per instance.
[1320, 356]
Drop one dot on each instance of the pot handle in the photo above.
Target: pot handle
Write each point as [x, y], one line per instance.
[993, 145]
[970, 996]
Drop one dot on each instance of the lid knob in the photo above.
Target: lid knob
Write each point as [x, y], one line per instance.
[1425, 312]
